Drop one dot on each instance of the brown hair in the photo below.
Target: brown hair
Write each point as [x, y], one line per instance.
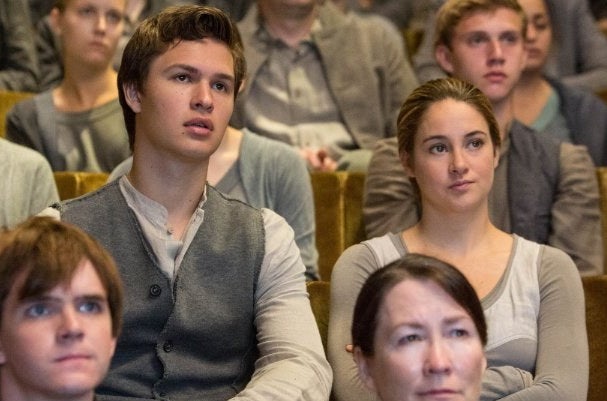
[157, 33]
[452, 12]
[415, 106]
[411, 267]
[50, 252]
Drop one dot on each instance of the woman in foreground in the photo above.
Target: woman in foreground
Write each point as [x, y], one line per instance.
[419, 331]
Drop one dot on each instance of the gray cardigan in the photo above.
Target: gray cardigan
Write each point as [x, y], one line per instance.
[366, 68]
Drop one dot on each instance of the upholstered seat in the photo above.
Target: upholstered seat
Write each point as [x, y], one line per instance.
[338, 199]
[72, 184]
[601, 173]
[320, 297]
[7, 101]
[595, 290]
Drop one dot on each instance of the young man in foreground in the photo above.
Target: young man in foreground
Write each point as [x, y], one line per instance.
[216, 303]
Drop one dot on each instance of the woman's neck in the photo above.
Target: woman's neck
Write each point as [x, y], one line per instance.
[530, 97]
[84, 93]
[468, 241]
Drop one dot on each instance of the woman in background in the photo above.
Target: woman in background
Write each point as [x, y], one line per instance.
[79, 124]
[549, 105]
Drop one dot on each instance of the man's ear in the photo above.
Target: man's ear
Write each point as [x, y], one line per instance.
[53, 21]
[364, 369]
[131, 96]
[443, 57]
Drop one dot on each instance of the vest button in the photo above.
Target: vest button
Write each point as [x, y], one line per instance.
[155, 290]
[168, 346]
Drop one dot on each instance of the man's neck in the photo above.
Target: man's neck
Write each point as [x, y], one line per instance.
[289, 24]
[504, 114]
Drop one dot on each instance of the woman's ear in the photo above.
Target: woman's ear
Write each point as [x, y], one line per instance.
[407, 162]
[496, 157]
[131, 95]
[364, 365]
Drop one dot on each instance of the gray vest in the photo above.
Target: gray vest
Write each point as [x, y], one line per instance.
[533, 173]
[197, 339]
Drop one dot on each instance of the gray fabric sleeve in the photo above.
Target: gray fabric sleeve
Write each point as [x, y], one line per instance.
[18, 61]
[390, 200]
[501, 381]
[44, 189]
[561, 372]
[576, 216]
[291, 364]
[348, 276]
[292, 191]
[22, 125]
[589, 47]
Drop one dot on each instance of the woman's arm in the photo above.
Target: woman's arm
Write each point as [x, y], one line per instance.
[561, 372]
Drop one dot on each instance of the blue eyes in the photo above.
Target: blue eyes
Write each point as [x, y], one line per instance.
[42, 309]
[37, 310]
[90, 307]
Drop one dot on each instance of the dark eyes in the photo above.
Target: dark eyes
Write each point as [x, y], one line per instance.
[409, 338]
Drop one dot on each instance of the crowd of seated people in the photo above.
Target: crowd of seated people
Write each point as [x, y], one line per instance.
[210, 117]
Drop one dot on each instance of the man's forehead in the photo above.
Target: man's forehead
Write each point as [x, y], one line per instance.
[485, 20]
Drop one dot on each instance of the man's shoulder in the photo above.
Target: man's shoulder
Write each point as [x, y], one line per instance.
[94, 202]
[21, 156]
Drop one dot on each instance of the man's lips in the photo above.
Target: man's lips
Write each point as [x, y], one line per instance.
[495, 76]
[199, 126]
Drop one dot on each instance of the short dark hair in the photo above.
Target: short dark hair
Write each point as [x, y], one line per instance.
[157, 33]
[50, 252]
[411, 267]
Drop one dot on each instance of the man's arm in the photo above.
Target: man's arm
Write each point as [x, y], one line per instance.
[576, 216]
[19, 65]
[292, 364]
[588, 50]
[390, 202]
